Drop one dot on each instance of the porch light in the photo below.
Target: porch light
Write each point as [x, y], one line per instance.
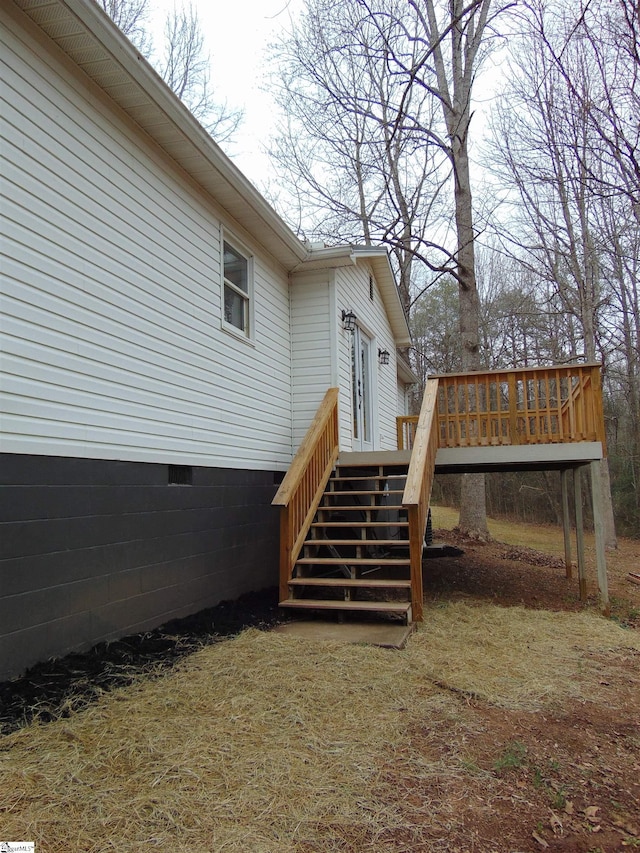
[383, 356]
[348, 321]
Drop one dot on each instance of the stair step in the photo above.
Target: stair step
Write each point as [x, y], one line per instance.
[348, 493]
[367, 524]
[371, 606]
[357, 507]
[366, 542]
[351, 561]
[363, 479]
[352, 583]
[374, 459]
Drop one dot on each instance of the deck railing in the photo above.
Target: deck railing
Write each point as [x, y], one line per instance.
[417, 492]
[531, 405]
[301, 490]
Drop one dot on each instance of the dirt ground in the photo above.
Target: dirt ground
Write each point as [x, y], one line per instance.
[567, 780]
[515, 574]
[566, 777]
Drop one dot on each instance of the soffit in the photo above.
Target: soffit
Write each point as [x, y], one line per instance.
[405, 372]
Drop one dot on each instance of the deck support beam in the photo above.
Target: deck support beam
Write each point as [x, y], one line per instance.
[566, 523]
[577, 494]
[598, 528]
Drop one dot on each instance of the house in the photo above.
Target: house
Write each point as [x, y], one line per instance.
[166, 341]
[194, 402]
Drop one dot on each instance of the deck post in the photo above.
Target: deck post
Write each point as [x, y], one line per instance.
[513, 410]
[598, 528]
[566, 523]
[577, 490]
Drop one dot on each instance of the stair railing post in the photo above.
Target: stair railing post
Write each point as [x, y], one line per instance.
[415, 551]
[417, 491]
[285, 551]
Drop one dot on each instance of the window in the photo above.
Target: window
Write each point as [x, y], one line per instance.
[236, 288]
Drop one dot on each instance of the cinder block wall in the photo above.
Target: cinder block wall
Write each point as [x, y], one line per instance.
[93, 550]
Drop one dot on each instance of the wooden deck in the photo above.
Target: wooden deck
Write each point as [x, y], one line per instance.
[532, 457]
[542, 418]
[544, 409]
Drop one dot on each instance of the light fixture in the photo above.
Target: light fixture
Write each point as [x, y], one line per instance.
[383, 356]
[348, 320]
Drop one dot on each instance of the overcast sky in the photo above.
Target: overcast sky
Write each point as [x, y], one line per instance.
[237, 33]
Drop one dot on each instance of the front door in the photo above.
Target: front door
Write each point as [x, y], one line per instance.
[361, 390]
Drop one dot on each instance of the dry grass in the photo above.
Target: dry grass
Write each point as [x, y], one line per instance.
[515, 657]
[545, 538]
[268, 743]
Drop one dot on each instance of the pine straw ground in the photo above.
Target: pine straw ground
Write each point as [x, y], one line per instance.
[496, 729]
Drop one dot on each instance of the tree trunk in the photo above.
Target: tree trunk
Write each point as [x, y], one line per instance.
[473, 502]
[466, 35]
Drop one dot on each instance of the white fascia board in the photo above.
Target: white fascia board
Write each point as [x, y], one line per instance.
[242, 200]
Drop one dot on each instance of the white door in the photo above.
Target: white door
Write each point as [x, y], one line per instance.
[361, 390]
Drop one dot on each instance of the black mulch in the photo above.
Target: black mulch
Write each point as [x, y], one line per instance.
[60, 686]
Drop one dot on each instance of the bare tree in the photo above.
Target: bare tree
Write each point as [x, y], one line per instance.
[558, 164]
[182, 60]
[453, 38]
[184, 64]
[610, 36]
[351, 149]
[132, 17]
[363, 82]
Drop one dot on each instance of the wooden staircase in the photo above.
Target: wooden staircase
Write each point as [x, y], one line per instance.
[352, 525]
[356, 554]
[352, 530]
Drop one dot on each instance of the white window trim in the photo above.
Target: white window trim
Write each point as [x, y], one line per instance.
[247, 336]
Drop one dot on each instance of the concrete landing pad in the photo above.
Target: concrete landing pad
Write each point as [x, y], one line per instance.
[386, 636]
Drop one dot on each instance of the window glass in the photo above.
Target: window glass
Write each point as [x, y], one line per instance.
[235, 309]
[237, 292]
[235, 268]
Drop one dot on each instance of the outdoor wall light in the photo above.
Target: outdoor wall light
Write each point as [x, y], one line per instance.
[383, 356]
[348, 321]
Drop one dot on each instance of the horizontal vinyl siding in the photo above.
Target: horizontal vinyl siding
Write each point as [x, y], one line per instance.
[402, 407]
[353, 294]
[311, 349]
[112, 338]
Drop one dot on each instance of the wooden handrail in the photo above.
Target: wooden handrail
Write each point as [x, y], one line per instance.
[528, 405]
[417, 492]
[516, 370]
[304, 483]
[406, 430]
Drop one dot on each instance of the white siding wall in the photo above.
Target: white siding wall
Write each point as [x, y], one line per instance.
[311, 347]
[352, 286]
[402, 407]
[111, 307]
